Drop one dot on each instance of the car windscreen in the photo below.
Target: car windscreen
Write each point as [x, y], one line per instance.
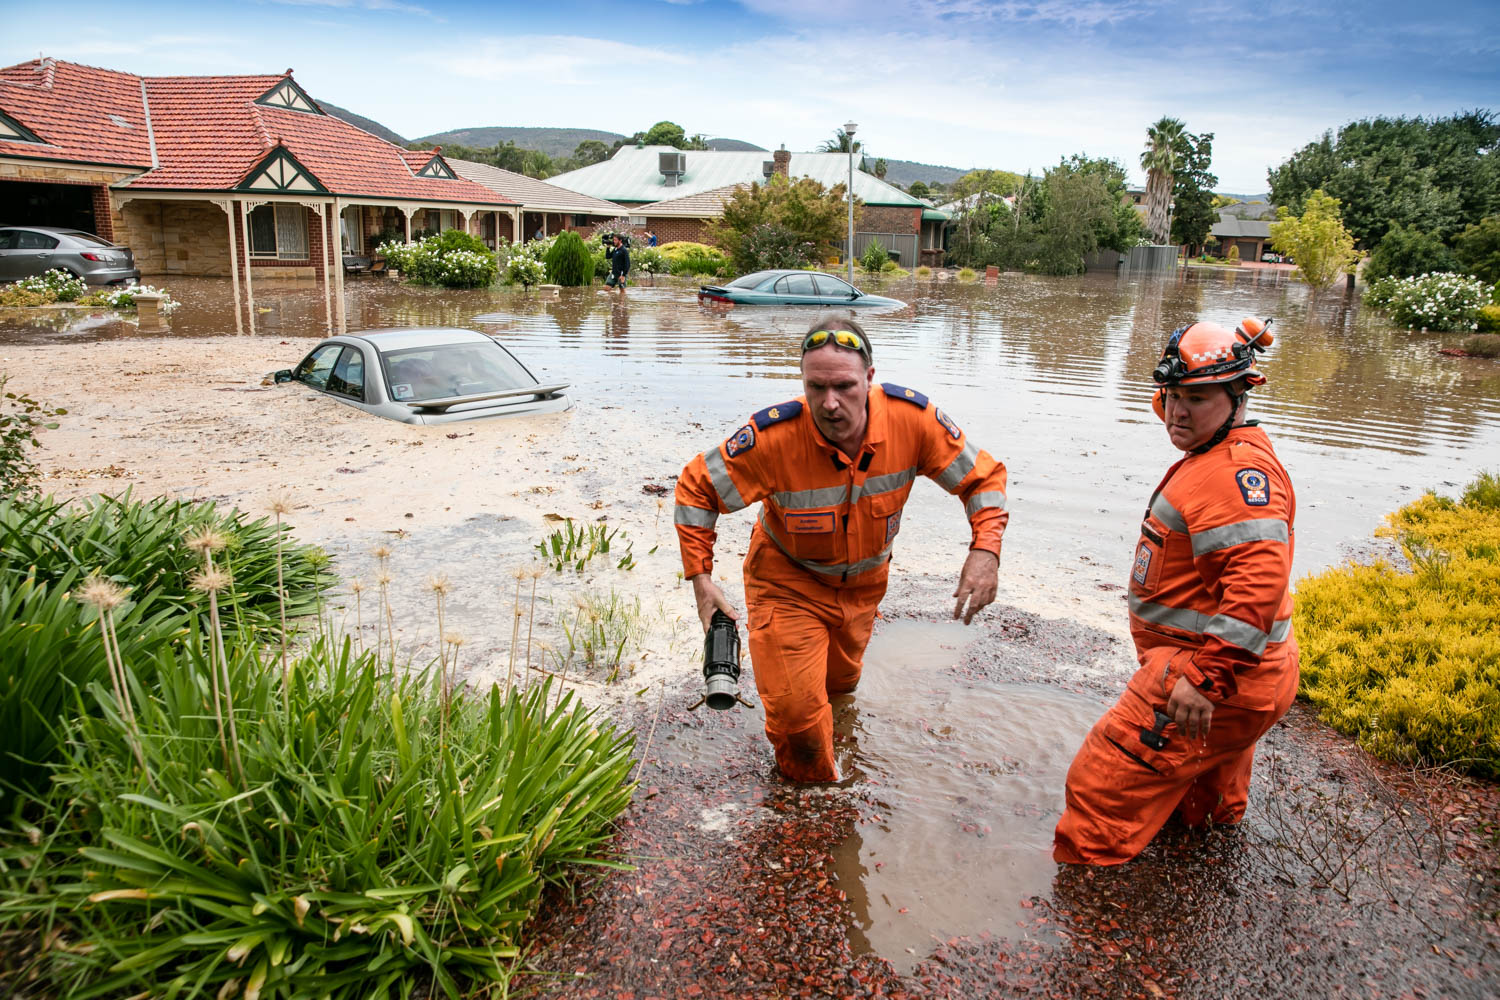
[88, 238]
[749, 280]
[420, 373]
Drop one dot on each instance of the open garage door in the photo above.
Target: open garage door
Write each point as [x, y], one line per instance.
[29, 203]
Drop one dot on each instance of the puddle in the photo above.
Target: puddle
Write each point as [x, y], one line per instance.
[964, 786]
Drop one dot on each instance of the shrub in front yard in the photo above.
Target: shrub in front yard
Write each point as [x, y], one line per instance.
[452, 259]
[1481, 345]
[1438, 301]
[569, 262]
[685, 257]
[874, 257]
[769, 246]
[1406, 661]
[20, 418]
[49, 644]
[369, 839]
[63, 286]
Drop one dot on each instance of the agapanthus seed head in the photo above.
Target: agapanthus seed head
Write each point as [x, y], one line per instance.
[281, 504]
[521, 573]
[205, 539]
[106, 595]
[211, 581]
[439, 584]
[384, 579]
[382, 553]
[454, 639]
[357, 585]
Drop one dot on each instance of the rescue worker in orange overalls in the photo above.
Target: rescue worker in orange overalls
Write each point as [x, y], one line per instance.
[833, 470]
[1210, 613]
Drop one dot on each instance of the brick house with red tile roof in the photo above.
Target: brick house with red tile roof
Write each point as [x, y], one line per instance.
[237, 176]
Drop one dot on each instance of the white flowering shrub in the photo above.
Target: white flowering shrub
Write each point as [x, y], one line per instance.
[63, 286]
[522, 264]
[1435, 301]
[453, 259]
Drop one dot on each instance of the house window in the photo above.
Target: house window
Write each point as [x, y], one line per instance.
[579, 221]
[279, 232]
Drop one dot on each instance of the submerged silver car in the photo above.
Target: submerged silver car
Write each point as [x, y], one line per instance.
[425, 376]
[26, 251]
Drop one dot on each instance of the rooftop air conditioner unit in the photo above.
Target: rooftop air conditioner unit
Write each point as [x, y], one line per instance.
[673, 166]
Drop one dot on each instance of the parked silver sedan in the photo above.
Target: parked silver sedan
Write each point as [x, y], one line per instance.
[26, 251]
[425, 376]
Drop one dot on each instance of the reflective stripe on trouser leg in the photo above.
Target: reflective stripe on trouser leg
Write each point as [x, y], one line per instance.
[1115, 804]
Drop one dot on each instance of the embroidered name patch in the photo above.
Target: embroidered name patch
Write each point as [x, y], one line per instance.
[742, 440]
[811, 523]
[1142, 564]
[948, 424]
[1254, 486]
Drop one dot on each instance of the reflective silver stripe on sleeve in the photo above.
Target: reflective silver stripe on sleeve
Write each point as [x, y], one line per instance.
[697, 517]
[1231, 630]
[1238, 633]
[1255, 529]
[980, 501]
[960, 467]
[1167, 514]
[829, 569]
[723, 485]
[824, 496]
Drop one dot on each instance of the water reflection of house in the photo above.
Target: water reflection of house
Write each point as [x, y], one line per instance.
[549, 209]
[677, 193]
[231, 176]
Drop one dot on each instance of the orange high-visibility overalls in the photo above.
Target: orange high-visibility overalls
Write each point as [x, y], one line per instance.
[817, 564]
[1210, 600]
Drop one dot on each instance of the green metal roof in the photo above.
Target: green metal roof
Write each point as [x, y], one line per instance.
[933, 215]
[633, 175]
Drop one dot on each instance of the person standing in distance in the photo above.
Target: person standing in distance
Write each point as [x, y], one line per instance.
[832, 471]
[619, 264]
[1210, 612]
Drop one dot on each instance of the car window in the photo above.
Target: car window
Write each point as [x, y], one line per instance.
[29, 240]
[829, 285]
[317, 366]
[89, 238]
[750, 280]
[7, 239]
[796, 284]
[348, 377]
[453, 370]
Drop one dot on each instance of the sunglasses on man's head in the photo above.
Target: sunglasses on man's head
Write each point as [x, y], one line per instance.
[843, 338]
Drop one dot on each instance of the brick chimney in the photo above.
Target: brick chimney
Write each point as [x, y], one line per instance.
[781, 161]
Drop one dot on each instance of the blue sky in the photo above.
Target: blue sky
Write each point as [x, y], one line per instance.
[956, 82]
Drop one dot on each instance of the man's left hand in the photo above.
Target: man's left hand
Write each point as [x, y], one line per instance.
[976, 583]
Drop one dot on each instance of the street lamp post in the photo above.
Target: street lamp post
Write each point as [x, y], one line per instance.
[849, 128]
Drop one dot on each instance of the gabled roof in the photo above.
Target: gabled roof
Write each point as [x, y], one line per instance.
[1229, 227]
[531, 192]
[633, 175]
[80, 113]
[212, 133]
[705, 205]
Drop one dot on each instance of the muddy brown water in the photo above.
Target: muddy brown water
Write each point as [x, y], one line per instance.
[1051, 376]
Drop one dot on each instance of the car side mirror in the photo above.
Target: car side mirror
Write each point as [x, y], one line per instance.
[855, 294]
[285, 375]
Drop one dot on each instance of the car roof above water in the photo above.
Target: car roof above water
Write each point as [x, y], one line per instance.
[386, 341]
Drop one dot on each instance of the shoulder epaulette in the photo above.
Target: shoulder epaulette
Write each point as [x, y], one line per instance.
[776, 414]
[901, 392]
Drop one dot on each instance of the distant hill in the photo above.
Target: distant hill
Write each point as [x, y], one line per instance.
[555, 142]
[735, 146]
[907, 172]
[360, 121]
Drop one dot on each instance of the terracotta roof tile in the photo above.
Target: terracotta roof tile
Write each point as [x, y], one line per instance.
[209, 132]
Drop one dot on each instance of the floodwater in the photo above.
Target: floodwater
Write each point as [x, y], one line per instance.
[1050, 375]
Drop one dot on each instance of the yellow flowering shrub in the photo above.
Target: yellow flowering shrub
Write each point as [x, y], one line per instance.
[1408, 663]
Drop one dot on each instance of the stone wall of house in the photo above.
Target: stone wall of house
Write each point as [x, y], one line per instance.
[888, 219]
[192, 238]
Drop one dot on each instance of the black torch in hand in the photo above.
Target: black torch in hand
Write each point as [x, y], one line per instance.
[721, 662]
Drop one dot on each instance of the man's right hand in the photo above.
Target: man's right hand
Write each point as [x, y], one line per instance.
[709, 599]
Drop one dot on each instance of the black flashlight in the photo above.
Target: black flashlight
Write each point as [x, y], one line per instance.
[721, 662]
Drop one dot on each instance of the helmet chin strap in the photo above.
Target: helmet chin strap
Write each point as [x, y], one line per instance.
[1227, 426]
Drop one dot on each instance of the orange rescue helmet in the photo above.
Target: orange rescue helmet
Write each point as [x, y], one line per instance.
[1208, 354]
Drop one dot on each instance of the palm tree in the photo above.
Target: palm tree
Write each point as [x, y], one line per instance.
[838, 144]
[1160, 161]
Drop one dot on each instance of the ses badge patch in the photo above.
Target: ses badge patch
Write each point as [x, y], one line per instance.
[741, 441]
[948, 424]
[1254, 486]
[1142, 564]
